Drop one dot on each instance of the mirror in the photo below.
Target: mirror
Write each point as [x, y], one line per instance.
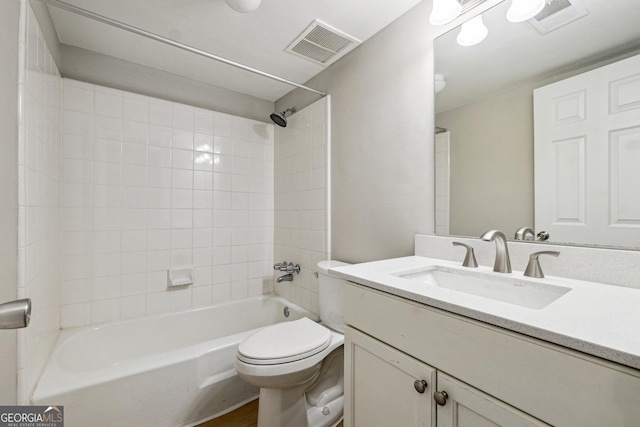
[485, 173]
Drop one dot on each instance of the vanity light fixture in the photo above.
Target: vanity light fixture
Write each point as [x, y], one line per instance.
[523, 10]
[444, 11]
[244, 6]
[473, 32]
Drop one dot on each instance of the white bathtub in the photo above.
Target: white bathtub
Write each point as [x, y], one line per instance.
[168, 370]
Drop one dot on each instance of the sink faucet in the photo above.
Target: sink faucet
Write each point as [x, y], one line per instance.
[524, 233]
[502, 263]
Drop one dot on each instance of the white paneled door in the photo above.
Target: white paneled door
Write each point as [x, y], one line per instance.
[587, 156]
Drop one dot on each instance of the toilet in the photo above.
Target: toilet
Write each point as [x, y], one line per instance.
[299, 365]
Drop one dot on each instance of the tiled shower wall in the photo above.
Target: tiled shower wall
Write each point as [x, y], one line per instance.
[302, 201]
[39, 157]
[150, 185]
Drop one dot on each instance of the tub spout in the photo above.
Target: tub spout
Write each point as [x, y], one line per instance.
[285, 278]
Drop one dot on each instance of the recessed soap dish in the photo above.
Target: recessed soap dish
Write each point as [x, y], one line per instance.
[182, 276]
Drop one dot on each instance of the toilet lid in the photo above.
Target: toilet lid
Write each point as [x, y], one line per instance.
[285, 342]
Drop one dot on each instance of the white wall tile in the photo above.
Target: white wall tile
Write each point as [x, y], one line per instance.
[109, 104]
[135, 108]
[74, 315]
[159, 156]
[203, 121]
[133, 306]
[160, 135]
[105, 311]
[202, 296]
[221, 292]
[160, 112]
[182, 139]
[159, 177]
[107, 127]
[133, 284]
[299, 203]
[138, 197]
[105, 150]
[78, 123]
[183, 117]
[158, 302]
[222, 124]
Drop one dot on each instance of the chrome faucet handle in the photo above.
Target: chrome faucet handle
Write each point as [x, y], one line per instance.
[291, 268]
[533, 268]
[283, 266]
[470, 257]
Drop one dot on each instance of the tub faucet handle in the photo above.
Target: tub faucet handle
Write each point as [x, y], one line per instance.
[291, 268]
[282, 266]
[470, 257]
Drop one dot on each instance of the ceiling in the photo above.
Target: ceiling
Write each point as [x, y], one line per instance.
[517, 54]
[257, 39]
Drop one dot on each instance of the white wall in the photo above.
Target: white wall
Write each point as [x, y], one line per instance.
[92, 67]
[151, 184]
[302, 229]
[382, 140]
[495, 191]
[9, 20]
[84, 65]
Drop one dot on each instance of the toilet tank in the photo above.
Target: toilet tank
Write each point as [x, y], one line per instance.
[331, 296]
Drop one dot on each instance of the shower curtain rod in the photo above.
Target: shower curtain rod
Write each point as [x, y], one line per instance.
[152, 36]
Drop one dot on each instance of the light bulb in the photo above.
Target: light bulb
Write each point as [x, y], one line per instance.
[473, 32]
[522, 10]
[244, 6]
[444, 11]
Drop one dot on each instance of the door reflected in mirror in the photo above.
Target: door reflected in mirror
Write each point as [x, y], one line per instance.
[487, 113]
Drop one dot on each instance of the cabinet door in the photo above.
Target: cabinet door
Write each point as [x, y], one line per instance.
[468, 407]
[380, 385]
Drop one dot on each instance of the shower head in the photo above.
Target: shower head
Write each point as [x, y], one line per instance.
[281, 118]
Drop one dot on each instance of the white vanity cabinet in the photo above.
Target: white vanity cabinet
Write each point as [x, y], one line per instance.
[388, 387]
[466, 406]
[492, 377]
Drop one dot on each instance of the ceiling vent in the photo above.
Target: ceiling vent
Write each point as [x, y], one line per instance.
[556, 14]
[322, 43]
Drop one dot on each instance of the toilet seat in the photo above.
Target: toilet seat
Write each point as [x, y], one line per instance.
[285, 342]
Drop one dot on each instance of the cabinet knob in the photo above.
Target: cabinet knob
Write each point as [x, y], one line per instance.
[441, 397]
[420, 385]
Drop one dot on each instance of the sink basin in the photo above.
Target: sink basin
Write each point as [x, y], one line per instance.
[518, 291]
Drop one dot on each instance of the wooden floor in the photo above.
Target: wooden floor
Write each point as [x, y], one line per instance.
[245, 416]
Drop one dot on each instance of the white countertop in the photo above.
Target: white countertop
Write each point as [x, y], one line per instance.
[600, 320]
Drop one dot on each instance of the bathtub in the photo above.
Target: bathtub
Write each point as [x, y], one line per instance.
[173, 369]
